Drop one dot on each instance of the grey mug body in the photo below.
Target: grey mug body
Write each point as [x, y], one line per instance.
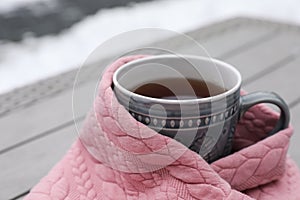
[204, 125]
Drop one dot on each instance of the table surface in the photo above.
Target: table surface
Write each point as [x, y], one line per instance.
[36, 121]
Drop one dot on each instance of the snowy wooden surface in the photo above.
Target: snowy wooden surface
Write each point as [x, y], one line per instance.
[36, 121]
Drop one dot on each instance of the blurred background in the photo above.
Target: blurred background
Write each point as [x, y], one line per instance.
[42, 38]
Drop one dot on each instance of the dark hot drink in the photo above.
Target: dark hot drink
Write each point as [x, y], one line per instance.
[179, 88]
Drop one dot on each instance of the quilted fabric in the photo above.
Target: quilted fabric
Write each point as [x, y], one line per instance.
[117, 157]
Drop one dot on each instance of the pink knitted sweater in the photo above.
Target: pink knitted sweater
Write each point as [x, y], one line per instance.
[119, 158]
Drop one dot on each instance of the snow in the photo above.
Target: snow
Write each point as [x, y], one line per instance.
[38, 58]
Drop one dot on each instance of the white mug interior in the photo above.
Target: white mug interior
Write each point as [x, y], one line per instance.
[153, 68]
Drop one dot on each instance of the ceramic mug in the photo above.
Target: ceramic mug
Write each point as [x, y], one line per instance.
[205, 125]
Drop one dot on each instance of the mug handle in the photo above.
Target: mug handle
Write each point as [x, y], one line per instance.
[251, 99]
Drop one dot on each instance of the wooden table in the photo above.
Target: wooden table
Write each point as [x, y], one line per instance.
[36, 121]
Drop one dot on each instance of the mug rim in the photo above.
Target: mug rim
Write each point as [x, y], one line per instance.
[173, 101]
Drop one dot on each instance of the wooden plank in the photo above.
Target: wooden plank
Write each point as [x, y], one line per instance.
[282, 74]
[23, 167]
[230, 40]
[280, 81]
[21, 196]
[42, 117]
[294, 145]
[57, 111]
[254, 60]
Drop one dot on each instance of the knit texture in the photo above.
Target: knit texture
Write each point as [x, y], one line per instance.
[118, 157]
